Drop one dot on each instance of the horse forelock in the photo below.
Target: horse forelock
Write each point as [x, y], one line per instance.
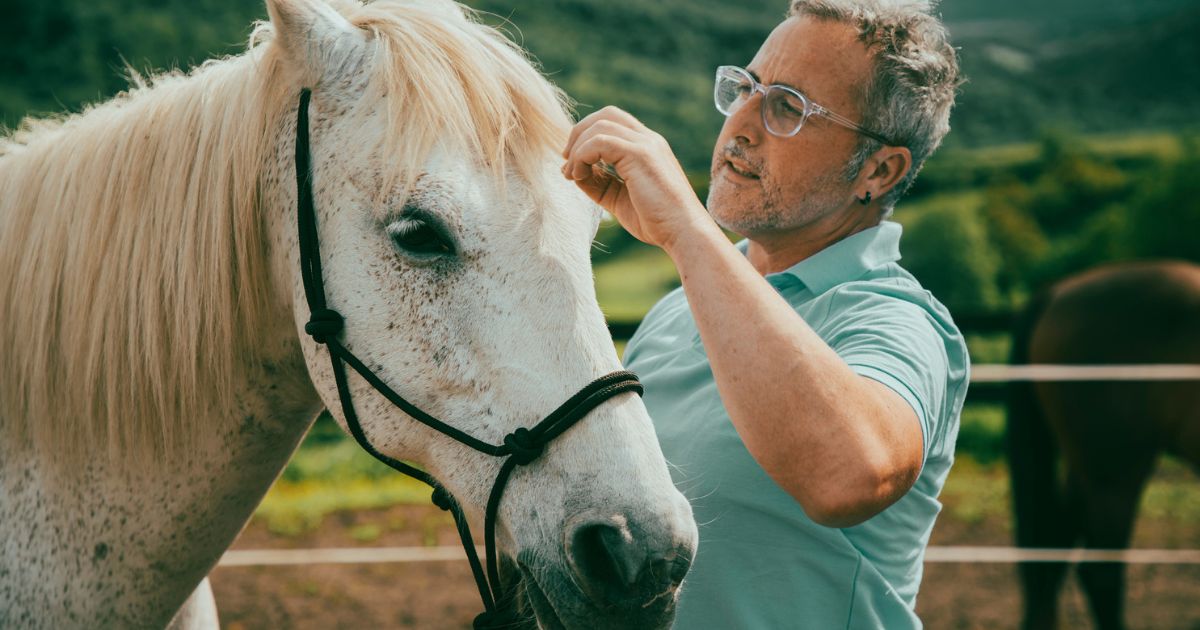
[451, 81]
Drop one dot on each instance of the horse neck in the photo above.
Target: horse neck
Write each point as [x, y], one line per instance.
[122, 542]
[91, 540]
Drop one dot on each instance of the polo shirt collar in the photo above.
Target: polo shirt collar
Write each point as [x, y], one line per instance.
[846, 259]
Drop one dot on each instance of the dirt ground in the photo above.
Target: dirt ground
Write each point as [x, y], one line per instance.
[442, 594]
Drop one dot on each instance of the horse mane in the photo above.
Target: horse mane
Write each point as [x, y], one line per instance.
[132, 234]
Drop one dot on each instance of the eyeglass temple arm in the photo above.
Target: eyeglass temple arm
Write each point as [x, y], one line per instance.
[846, 122]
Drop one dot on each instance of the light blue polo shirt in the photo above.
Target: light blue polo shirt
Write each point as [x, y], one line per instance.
[762, 563]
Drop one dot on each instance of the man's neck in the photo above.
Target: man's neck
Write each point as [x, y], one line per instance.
[772, 252]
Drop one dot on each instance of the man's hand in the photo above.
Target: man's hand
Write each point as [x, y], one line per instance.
[655, 203]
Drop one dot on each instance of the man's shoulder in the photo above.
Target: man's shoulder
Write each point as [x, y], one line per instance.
[663, 316]
[889, 307]
[888, 291]
[667, 303]
[666, 311]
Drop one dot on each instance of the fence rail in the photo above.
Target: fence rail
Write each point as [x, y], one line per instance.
[1000, 373]
[988, 380]
[934, 554]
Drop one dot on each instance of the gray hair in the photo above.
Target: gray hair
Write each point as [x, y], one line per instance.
[909, 96]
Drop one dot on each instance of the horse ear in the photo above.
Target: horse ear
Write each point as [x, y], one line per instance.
[314, 36]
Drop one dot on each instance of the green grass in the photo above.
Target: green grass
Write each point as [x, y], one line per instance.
[628, 286]
[976, 491]
[988, 348]
[333, 476]
[981, 432]
[328, 476]
[292, 508]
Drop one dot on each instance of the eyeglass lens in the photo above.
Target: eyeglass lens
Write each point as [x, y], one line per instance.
[782, 111]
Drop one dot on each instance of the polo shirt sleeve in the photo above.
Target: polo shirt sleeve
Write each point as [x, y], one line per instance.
[892, 340]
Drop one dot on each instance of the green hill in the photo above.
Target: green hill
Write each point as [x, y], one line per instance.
[1084, 66]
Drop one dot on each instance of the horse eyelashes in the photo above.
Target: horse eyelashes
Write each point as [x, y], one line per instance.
[418, 237]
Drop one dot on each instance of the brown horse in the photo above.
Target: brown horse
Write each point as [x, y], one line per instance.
[1109, 434]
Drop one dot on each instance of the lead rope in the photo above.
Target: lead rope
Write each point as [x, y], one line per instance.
[521, 447]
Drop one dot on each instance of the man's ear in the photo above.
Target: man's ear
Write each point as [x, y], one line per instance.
[883, 170]
[317, 40]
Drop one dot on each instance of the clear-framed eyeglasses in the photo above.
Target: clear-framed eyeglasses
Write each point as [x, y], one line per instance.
[784, 109]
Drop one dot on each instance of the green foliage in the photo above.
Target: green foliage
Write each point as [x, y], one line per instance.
[1049, 210]
[1014, 233]
[1163, 217]
[332, 474]
[981, 433]
[333, 459]
[1118, 66]
[629, 285]
[988, 348]
[59, 55]
[1072, 185]
[947, 249]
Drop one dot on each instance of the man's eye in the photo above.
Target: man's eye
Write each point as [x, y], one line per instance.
[784, 106]
[419, 238]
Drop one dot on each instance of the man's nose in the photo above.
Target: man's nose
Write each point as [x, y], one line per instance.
[745, 123]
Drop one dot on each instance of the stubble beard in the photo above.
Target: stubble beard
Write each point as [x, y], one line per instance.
[764, 209]
[768, 208]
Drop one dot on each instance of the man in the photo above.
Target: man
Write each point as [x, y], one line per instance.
[805, 388]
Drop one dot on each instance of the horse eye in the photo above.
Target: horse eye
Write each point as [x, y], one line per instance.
[419, 238]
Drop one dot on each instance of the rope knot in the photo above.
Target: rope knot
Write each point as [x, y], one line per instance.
[523, 446]
[323, 323]
[441, 498]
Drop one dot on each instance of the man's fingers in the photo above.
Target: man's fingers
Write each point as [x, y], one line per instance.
[598, 185]
[610, 113]
[609, 148]
[599, 128]
[580, 127]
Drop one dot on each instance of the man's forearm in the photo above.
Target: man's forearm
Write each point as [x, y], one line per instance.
[822, 432]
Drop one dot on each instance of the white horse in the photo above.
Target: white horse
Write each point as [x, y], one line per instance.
[154, 374]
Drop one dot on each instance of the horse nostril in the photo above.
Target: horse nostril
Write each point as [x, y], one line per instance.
[615, 564]
[678, 564]
[606, 554]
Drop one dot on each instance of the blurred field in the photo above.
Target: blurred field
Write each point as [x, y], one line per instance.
[442, 595]
[331, 478]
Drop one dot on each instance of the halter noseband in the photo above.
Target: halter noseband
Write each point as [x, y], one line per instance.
[521, 447]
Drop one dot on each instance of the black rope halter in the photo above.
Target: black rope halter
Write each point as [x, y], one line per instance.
[521, 447]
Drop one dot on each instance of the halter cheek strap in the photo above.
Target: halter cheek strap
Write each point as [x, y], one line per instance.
[519, 448]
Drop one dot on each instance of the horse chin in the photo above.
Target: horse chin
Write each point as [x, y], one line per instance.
[533, 601]
[555, 603]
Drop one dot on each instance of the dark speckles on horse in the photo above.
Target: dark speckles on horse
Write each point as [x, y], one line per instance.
[100, 552]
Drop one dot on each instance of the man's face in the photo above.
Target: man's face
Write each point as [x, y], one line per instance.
[788, 183]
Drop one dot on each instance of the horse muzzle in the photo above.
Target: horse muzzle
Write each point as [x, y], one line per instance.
[614, 572]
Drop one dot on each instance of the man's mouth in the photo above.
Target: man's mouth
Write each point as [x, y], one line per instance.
[741, 169]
